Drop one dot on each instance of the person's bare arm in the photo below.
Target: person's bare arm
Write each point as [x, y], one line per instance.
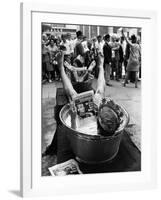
[92, 66]
[101, 80]
[127, 40]
[100, 83]
[73, 68]
[66, 81]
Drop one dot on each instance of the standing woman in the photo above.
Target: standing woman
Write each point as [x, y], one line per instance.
[133, 62]
[52, 49]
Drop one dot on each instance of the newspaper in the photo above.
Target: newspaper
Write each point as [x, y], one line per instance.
[66, 168]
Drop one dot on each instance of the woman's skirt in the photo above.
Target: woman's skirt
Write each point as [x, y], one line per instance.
[133, 65]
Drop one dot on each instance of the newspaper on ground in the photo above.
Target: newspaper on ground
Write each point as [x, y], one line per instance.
[69, 167]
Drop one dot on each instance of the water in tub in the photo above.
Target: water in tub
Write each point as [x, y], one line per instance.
[86, 125]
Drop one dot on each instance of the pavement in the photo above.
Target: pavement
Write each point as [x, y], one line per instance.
[129, 97]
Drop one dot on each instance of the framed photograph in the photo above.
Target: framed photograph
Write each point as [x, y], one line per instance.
[88, 99]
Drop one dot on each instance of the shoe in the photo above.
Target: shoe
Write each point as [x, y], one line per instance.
[136, 86]
[117, 79]
[108, 84]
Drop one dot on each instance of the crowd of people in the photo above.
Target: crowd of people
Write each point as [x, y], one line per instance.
[122, 56]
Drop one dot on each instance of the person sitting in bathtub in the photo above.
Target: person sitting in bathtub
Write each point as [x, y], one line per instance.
[63, 149]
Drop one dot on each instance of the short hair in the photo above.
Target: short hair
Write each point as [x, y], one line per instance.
[99, 36]
[78, 62]
[63, 36]
[107, 36]
[133, 38]
[117, 39]
[79, 33]
[94, 39]
[51, 39]
[108, 119]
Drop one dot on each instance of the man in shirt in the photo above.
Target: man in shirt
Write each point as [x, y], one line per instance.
[79, 53]
[66, 44]
[107, 52]
[99, 45]
[115, 45]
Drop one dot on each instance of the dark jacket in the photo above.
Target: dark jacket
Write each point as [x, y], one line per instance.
[107, 52]
[127, 52]
[78, 50]
[121, 56]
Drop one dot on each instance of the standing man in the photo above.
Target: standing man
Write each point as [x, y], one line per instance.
[121, 59]
[107, 52]
[115, 57]
[67, 46]
[99, 45]
[79, 53]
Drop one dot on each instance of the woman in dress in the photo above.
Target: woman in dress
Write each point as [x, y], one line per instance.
[134, 57]
[51, 66]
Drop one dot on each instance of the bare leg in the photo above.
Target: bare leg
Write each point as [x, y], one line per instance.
[126, 78]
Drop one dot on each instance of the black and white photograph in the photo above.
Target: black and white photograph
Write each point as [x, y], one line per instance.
[90, 99]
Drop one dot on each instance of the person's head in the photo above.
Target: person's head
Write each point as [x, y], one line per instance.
[94, 39]
[84, 38]
[63, 37]
[79, 35]
[69, 36]
[52, 37]
[108, 119]
[114, 37]
[133, 39]
[78, 63]
[57, 42]
[89, 44]
[117, 39]
[99, 38]
[44, 37]
[107, 38]
[52, 42]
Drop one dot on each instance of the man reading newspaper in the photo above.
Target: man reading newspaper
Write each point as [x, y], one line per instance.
[64, 151]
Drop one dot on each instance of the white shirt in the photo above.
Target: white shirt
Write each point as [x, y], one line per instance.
[124, 47]
[67, 44]
[99, 47]
[85, 46]
[72, 45]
